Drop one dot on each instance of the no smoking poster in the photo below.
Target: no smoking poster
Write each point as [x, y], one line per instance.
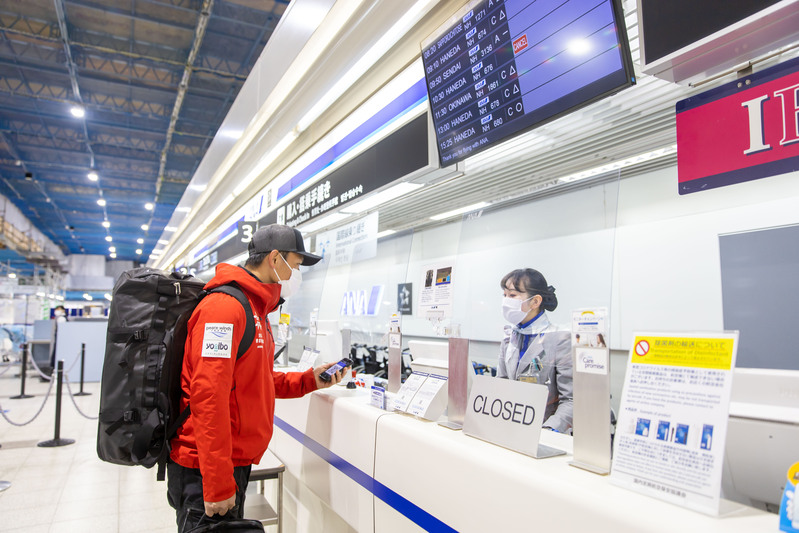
[672, 423]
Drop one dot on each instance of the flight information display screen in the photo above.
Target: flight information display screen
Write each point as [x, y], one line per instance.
[504, 66]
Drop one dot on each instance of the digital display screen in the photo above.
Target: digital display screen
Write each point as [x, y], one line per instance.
[505, 66]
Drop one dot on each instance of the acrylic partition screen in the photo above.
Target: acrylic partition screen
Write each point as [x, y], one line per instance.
[569, 238]
[299, 308]
[356, 285]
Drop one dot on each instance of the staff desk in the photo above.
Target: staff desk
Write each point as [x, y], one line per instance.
[353, 467]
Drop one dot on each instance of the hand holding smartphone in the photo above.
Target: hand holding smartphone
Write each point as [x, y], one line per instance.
[328, 374]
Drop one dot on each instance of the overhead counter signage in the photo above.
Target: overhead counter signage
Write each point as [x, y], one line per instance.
[672, 423]
[399, 154]
[745, 130]
[349, 243]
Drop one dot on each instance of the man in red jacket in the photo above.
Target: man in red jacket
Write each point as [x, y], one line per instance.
[233, 401]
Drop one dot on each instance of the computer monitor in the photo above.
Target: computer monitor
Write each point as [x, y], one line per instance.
[762, 436]
[431, 357]
[759, 292]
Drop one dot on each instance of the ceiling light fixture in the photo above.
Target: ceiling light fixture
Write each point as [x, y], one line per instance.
[145, 227]
[325, 221]
[101, 202]
[162, 241]
[77, 111]
[106, 224]
[140, 241]
[109, 238]
[112, 249]
[170, 228]
[382, 197]
[113, 255]
[460, 211]
[149, 206]
[107, 296]
[87, 296]
[365, 62]
[12, 275]
[616, 165]
[138, 251]
[92, 176]
[385, 233]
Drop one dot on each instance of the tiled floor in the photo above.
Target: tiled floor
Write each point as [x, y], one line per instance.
[68, 489]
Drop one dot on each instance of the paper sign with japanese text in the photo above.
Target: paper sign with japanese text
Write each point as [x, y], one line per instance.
[672, 422]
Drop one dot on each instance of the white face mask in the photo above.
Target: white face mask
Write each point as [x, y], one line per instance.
[290, 286]
[512, 309]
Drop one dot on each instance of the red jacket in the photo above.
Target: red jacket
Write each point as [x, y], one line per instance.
[232, 402]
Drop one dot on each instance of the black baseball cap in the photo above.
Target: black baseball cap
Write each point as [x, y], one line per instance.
[281, 238]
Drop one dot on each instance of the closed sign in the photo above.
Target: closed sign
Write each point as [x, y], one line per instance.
[506, 412]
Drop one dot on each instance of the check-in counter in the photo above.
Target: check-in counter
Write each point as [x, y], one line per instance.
[353, 467]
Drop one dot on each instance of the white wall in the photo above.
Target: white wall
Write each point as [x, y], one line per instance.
[667, 274]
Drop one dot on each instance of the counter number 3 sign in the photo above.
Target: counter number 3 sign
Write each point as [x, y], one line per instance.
[246, 229]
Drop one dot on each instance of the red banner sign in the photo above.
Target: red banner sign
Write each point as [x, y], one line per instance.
[741, 131]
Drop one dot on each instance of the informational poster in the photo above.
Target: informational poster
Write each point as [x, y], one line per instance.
[435, 297]
[349, 243]
[408, 390]
[589, 338]
[673, 417]
[589, 327]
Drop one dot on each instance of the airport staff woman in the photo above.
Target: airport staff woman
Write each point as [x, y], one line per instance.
[533, 350]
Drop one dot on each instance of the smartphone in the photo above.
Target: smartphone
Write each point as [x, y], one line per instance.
[328, 374]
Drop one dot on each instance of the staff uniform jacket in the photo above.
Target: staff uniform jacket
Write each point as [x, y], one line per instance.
[553, 349]
[232, 401]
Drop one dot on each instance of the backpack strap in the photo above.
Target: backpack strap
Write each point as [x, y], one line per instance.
[233, 289]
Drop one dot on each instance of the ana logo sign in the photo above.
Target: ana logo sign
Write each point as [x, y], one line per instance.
[362, 302]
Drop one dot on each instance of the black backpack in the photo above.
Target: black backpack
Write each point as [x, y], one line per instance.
[140, 388]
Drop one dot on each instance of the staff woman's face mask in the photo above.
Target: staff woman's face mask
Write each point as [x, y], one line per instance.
[291, 286]
[512, 309]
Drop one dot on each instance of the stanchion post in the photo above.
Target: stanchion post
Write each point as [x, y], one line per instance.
[23, 371]
[82, 363]
[57, 440]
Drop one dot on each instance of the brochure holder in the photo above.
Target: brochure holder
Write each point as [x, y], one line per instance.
[591, 410]
[394, 357]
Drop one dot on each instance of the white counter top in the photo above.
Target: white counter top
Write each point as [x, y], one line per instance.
[387, 472]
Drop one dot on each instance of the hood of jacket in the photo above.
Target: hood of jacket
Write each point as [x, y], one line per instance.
[265, 297]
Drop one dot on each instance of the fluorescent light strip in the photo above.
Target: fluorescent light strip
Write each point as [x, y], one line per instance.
[325, 221]
[336, 18]
[462, 210]
[264, 163]
[366, 62]
[382, 197]
[397, 86]
[635, 160]
[386, 233]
